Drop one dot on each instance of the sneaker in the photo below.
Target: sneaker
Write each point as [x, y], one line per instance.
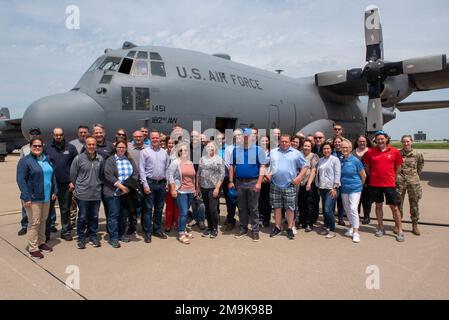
[379, 233]
[193, 223]
[255, 236]
[45, 248]
[213, 234]
[206, 233]
[241, 233]
[330, 235]
[308, 229]
[294, 230]
[160, 235]
[290, 234]
[81, 245]
[114, 243]
[400, 237]
[349, 232]
[147, 238]
[325, 232]
[95, 242]
[356, 237]
[341, 223]
[275, 232]
[202, 225]
[36, 255]
[67, 237]
[124, 238]
[22, 232]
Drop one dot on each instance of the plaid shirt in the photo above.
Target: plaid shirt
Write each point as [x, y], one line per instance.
[124, 170]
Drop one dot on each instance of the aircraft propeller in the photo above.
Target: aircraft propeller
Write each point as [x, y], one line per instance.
[376, 71]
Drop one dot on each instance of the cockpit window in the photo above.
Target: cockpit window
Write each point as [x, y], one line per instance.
[126, 65]
[158, 69]
[110, 63]
[131, 54]
[140, 68]
[155, 56]
[142, 55]
[95, 64]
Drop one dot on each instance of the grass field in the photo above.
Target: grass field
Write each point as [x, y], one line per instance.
[424, 145]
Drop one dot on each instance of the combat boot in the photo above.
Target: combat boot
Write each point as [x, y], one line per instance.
[415, 229]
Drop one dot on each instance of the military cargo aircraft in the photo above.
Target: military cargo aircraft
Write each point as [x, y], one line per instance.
[158, 87]
[10, 132]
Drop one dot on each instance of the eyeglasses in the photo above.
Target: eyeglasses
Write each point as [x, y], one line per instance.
[318, 137]
[121, 134]
[37, 146]
[337, 129]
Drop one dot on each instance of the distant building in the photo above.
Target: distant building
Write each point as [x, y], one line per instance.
[420, 136]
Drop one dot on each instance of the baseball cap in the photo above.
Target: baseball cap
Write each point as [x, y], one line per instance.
[232, 196]
[247, 131]
[381, 132]
[35, 131]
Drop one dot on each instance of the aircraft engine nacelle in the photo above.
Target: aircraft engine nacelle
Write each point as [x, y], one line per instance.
[395, 89]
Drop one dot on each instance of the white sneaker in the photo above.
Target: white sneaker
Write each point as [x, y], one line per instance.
[349, 232]
[294, 230]
[356, 237]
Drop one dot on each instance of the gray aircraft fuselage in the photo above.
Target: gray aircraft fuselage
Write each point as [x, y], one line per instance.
[122, 90]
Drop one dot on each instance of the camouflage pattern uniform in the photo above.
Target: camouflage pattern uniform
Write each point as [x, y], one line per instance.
[407, 180]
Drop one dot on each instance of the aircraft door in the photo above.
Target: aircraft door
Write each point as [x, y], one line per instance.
[273, 116]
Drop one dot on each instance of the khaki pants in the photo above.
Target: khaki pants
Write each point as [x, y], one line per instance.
[73, 212]
[37, 217]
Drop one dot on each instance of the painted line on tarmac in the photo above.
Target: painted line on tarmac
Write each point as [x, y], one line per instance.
[46, 270]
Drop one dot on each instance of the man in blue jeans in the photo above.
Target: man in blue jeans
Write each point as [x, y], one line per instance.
[248, 169]
[86, 172]
[153, 168]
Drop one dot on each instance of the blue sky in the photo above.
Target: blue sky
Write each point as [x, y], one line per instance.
[40, 56]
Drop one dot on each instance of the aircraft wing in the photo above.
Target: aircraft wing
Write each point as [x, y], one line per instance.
[421, 105]
[431, 80]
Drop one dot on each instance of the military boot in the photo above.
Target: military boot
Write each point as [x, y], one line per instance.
[415, 229]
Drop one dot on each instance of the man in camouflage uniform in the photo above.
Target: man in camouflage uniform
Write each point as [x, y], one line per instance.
[407, 179]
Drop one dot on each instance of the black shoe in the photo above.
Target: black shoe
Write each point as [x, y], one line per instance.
[275, 232]
[67, 237]
[95, 242]
[202, 225]
[130, 231]
[206, 233]
[241, 233]
[80, 244]
[290, 234]
[147, 238]
[366, 220]
[22, 232]
[255, 236]
[160, 234]
[167, 230]
[213, 234]
[53, 229]
[341, 223]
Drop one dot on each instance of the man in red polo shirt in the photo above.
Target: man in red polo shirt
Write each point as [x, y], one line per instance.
[381, 164]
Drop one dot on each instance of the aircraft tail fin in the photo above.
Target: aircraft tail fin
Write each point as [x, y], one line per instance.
[4, 113]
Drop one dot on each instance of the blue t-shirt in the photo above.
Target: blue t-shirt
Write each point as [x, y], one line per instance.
[47, 170]
[285, 166]
[248, 161]
[350, 178]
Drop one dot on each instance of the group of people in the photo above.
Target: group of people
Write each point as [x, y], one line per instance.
[136, 176]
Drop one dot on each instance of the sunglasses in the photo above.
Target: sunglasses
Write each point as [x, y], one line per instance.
[318, 137]
[337, 129]
[37, 146]
[121, 134]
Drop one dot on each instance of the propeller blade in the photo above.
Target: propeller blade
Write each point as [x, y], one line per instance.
[424, 64]
[329, 78]
[374, 116]
[373, 34]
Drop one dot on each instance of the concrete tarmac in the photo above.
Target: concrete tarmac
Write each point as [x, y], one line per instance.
[309, 267]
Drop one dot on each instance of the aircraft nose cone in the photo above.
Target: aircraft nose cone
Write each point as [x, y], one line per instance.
[66, 110]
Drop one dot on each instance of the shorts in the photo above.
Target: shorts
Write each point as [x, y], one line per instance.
[377, 195]
[283, 197]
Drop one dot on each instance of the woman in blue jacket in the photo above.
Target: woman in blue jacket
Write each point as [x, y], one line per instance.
[37, 184]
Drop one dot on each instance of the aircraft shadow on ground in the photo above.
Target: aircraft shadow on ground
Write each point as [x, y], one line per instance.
[436, 179]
